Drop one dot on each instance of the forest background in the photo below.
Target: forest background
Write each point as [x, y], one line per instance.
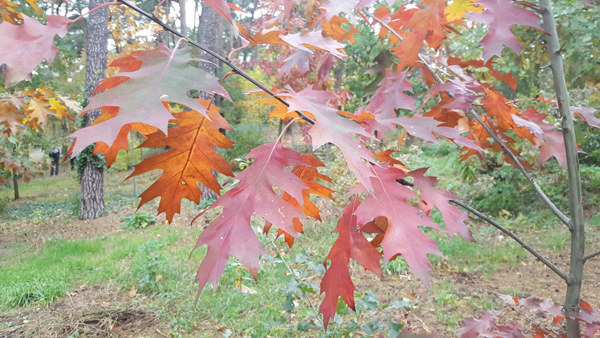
[494, 187]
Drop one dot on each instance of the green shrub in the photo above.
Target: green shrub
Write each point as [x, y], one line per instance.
[139, 220]
[246, 137]
[150, 268]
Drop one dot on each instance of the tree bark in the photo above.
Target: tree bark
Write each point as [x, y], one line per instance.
[182, 18]
[92, 179]
[210, 33]
[577, 224]
[15, 184]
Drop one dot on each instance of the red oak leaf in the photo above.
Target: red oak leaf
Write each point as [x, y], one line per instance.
[552, 144]
[391, 95]
[188, 161]
[426, 127]
[402, 235]
[308, 173]
[35, 44]
[454, 218]
[141, 94]
[300, 61]
[231, 233]
[465, 92]
[330, 127]
[499, 15]
[335, 8]
[314, 40]
[351, 243]
[587, 114]
[223, 8]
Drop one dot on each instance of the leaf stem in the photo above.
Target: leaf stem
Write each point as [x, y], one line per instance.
[93, 10]
[295, 276]
[215, 55]
[512, 235]
[561, 216]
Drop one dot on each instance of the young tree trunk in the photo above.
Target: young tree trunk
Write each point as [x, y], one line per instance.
[577, 226]
[92, 179]
[15, 184]
[210, 33]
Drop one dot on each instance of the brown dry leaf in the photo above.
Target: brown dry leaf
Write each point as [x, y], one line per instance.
[132, 292]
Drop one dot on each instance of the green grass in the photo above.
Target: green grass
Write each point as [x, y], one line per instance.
[43, 277]
[484, 255]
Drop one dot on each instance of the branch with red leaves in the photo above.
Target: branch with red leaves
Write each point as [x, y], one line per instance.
[561, 216]
[225, 60]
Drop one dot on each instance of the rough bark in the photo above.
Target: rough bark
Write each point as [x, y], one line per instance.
[210, 33]
[182, 18]
[577, 224]
[92, 179]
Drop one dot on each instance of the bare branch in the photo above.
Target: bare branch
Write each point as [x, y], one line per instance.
[215, 55]
[562, 217]
[592, 255]
[509, 233]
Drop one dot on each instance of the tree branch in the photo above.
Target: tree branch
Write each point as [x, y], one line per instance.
[215, 55]
[592, 255]
[562, 217]
[509, 233]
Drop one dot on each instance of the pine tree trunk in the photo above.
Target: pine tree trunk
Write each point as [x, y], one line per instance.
[182, 18]
[210, 33]
[92, 179]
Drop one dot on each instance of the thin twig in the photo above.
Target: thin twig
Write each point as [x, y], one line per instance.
[215, 55]
[515, 237]
[586, 257]
[295, 276]
[562, 217]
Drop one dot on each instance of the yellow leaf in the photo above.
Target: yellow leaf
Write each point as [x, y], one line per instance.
[458, 8]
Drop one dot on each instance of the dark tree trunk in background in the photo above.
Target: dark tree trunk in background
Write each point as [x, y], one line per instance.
[210, 37]
[92, 179]
[15, 184]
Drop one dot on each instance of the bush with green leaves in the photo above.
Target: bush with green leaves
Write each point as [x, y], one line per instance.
[139, 220]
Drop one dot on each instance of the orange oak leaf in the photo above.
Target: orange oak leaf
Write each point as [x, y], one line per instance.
[333, 28]
[188, 161]
[121, 142]
[148, 79]
[10, 116]
[231, 233]
[507, 78]
[308, 173]
[35, 44]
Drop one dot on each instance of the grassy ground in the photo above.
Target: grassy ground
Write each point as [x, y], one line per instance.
[57, 269]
